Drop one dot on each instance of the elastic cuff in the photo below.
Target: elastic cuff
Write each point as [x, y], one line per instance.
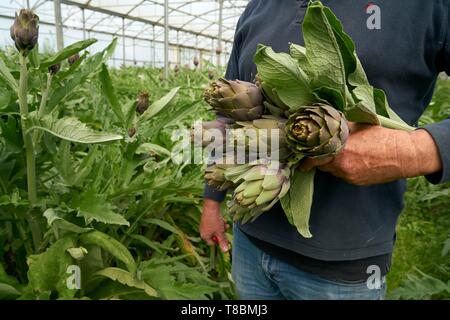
[213, 194]
[441, 135]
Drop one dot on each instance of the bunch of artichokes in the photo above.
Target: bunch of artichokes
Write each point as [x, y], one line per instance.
[308, 103]
[254, 115]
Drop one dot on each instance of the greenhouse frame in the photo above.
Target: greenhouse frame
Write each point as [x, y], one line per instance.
[158, 33]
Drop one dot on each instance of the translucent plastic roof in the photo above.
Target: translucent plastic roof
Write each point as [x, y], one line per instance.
[192, 24]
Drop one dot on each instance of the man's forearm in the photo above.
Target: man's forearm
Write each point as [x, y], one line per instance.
[421, 155]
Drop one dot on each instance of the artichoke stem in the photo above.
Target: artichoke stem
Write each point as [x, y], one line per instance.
[30, 158]
[392, 124]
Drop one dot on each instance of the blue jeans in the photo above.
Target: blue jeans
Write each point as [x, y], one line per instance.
[259, 276]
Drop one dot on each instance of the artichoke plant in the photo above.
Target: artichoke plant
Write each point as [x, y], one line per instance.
[238, 100]
[317, 131]
[25, 31]
[259, 185]
[257, 136]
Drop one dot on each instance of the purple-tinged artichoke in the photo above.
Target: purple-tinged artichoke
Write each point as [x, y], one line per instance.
[142, 102]
[238, 100]
[317, 131]
[25, 31]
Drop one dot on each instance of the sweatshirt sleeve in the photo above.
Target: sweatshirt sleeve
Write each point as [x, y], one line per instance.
[440, 131]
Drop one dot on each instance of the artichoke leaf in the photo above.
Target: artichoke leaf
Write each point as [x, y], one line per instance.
[301, 198]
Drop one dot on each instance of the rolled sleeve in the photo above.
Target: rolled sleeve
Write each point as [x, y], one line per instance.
[441, 134]
[213, 194]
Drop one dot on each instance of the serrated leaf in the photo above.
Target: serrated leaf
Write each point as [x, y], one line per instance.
[53, 218]
[126, 278]
[301, 196]
[93, 206]
[67, 52]
[72, 129]
[110, 245]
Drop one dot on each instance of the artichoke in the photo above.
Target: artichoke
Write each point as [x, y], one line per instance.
[257, 136]
[238, 100]
[259, 186]
[215, 177]
[54, 69]
[199, 137]
[317, 131]
[25, 31]
[142, 102]
[196, 62]
[74, 58]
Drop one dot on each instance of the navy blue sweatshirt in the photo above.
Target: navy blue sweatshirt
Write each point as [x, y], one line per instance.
[402, 51]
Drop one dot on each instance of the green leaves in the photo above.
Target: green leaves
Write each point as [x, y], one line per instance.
[282, 72]
[66, 53]
[110, 245]
[322, 50]
[8, 77]
[297, 205]
[93, 206]
[72, 129]
[109, 93]
[126, 278]
[48, 270]
[159, 105]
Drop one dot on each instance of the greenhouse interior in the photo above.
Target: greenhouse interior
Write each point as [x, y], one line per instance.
[150, 33]
[133, 166]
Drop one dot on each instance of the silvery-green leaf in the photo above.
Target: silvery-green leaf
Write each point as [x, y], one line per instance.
[322, 50]
[157, 106]
[301, 197]
[8, 77]
[72, 129]
[280, 71]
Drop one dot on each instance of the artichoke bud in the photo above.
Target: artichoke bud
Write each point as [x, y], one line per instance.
[25, 31]
[131, 132]
[72, 59]
[161, 77]
[215, 177]
[176, 69]
[142, 102]
[202, 138]
[54, 69]
[238, 100]
[317, 131]
[260, 188]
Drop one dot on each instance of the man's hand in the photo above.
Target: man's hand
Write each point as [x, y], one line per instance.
[213, 226]
[375, 155]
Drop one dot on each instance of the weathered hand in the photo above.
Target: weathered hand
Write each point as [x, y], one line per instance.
[375, 155]
[213, 226]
